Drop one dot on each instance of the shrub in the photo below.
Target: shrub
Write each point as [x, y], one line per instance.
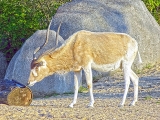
[154, 7]
[19, 19]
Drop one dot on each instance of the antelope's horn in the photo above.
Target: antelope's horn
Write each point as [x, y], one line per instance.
[57, 33]
[47, 36]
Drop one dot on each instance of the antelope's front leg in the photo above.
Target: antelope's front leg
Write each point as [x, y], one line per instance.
[88, 74]
[77, 76]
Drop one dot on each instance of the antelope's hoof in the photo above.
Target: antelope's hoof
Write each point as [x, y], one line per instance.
[132, 103]
[120, 105]
[70, 106]
[90, 105]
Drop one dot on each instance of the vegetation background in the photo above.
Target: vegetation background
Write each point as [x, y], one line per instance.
[19, 19]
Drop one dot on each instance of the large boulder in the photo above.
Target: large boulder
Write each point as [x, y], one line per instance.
[3, 65]
[125, 16]
[19, 67]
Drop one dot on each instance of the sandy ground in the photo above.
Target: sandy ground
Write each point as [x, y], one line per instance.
[108, 94]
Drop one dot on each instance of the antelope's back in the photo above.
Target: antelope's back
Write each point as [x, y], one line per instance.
[101, 47]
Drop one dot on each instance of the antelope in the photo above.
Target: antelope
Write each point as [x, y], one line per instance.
[85, 50]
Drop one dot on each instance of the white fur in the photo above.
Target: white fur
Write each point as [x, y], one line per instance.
[107, 67]
[34, 72]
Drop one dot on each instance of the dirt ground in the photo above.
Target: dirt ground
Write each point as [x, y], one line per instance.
[108, 93]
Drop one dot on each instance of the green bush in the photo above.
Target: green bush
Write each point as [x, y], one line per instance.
[154, 7]
[19, 19]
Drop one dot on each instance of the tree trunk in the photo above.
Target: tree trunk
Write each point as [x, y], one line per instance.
[14, 93]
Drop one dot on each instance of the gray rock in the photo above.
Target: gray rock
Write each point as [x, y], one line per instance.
[126, 16]
[3, 65]
[19, 67]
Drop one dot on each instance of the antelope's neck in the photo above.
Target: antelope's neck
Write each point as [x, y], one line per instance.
[61, 60]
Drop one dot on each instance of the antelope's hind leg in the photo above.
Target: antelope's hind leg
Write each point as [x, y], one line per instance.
[135, 80]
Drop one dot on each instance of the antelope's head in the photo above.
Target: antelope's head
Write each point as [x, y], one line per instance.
[39, 69]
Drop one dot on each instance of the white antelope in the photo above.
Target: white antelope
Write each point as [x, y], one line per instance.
[101, 51]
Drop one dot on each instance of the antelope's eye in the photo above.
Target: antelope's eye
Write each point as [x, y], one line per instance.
[36, 68]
